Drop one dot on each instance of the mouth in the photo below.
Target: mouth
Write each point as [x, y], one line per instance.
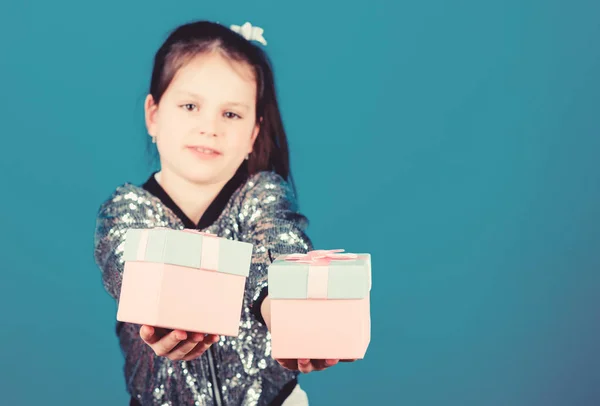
[206, 151]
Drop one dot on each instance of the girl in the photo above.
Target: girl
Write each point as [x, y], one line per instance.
[213, 114]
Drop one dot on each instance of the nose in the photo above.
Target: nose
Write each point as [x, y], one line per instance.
[207, 124]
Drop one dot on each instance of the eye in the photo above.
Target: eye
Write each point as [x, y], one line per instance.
[231, 115]
[189, 106]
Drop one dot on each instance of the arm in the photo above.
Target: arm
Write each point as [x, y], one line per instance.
[113, 220]
[126, 209]
[274, 226]
[148, 353]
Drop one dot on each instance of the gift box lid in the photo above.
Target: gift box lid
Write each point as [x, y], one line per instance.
[320, 275]
[189, 248]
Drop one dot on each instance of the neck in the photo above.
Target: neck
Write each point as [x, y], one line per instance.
[191, 198]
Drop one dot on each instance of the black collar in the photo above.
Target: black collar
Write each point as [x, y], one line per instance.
[213, 211]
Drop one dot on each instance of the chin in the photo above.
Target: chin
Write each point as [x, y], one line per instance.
[201, 178]
[203, 172]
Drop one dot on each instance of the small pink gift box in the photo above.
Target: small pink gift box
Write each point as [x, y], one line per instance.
[320, 305]
[183, 279]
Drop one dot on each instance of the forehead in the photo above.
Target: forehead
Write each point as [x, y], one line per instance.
[216, 77]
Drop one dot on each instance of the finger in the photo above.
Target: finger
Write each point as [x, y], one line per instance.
[321, 364]
[305, 366]
[196, 337]
[290, 364]
[147, 334]
[201, 348]
[331, 362]
[151, 334]
[212, 338]
[181, 350]
[349, 360]
[197, 351]
[168, 342]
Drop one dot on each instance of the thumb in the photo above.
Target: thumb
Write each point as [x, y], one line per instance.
[147, 334]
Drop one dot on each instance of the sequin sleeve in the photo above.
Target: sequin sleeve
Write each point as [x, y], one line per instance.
[130, 207]
[271, 221]
[112, 222]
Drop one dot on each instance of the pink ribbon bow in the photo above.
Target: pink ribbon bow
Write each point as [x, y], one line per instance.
[318, 270]
[320, 257]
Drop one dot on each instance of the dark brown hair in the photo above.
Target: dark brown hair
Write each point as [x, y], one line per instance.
[270, 152]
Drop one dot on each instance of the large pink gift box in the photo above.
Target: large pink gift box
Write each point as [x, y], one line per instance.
[183, 279]
[320, 305]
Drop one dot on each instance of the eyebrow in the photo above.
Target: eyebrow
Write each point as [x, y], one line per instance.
[197, 96]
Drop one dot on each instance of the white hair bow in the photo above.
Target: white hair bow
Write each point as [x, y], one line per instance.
[250, 33]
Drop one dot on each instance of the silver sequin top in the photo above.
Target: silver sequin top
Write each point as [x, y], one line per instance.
[235, 371]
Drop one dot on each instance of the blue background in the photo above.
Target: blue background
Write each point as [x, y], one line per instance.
[457, 141]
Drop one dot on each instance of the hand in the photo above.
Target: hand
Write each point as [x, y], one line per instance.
[309, 365]
[177, 345]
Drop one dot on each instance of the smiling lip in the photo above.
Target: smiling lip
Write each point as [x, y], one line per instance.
[204, 150]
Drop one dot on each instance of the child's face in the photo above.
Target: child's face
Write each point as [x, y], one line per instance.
[210, 104]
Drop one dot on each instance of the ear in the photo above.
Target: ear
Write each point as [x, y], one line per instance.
[150, 114]
[255, 134]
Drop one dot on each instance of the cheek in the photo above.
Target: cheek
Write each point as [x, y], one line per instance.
[238, 137]
[173, 125]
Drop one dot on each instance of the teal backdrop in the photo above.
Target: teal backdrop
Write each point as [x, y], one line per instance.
[456, 141]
